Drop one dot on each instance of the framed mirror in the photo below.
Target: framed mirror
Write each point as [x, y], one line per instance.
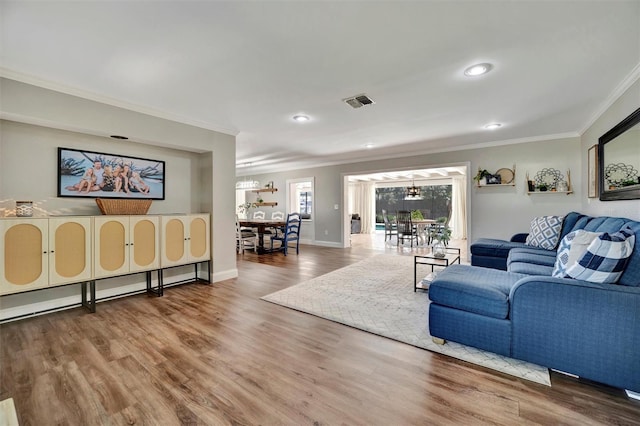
[619, 160]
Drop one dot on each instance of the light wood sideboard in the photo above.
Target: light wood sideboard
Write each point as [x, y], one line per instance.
[45, 252]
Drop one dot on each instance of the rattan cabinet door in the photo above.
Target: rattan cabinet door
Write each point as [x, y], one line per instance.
[174, 241]
[198, 238]
[69, 250]
[23, 255]
[144, 247]
[111, 246]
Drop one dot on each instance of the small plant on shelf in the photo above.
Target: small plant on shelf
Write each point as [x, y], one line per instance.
[543, 187]
[482, 173]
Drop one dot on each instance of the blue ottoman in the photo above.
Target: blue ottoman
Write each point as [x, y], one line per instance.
[470, 305]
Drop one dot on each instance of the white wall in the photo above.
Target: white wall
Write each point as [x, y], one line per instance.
[200, 170]
[618, 111]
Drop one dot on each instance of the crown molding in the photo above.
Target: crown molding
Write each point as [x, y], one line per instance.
[624, 85]
[84, 94]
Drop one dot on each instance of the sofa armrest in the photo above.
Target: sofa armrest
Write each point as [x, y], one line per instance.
[519, 238]
[591, 330]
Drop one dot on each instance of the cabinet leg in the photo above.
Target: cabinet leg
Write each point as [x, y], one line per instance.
[90, 303]
[154, 291]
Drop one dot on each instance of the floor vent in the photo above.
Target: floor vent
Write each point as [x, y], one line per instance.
[359, 101]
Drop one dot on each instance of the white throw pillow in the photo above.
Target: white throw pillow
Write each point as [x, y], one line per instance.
[572, 247]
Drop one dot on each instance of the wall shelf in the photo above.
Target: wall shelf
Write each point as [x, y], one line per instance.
[264, 203]
[551, 191]
[507, 175]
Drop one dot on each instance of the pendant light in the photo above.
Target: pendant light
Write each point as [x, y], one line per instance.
[413, 192]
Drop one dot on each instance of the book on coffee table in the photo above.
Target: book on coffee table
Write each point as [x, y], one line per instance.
[426, 281]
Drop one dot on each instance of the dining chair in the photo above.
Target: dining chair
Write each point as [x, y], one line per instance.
[244, 239]
[277, 229]
[291, 234]
[258, 215]
[405, 227]
[390, 228]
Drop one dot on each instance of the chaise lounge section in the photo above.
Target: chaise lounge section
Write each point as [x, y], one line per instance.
[507, 302]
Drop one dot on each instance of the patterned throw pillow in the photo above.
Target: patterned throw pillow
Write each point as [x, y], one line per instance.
[606, 258]
[545, 232]
[572, 247]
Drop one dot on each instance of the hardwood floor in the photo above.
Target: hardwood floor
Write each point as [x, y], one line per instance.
[217, 354]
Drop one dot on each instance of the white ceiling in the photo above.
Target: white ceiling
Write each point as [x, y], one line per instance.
[246, 68]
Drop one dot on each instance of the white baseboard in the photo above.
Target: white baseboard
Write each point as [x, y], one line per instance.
[565, 373]
[326, 244]
[224, 275]
[633, 395]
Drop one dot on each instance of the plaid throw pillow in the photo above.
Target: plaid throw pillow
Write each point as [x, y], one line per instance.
[572, 247]
[545, 232]
[606, 258]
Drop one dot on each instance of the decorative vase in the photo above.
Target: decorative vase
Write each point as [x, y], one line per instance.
[562, 186]
[24, 208]
[438, 249]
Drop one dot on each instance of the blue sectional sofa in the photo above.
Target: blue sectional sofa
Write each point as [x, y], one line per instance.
[507, 302]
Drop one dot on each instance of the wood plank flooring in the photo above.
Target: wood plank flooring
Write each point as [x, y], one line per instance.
[218, 355]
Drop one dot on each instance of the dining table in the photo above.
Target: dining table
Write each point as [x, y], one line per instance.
[261, 225]
[422, 228]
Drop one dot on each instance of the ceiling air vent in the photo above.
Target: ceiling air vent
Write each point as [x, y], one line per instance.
[359, 101]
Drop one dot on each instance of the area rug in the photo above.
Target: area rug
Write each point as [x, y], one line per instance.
[376, 295]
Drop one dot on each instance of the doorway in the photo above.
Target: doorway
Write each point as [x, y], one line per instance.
[444, 191]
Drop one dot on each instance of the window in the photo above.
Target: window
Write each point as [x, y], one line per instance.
[435, 203]
[300, 197]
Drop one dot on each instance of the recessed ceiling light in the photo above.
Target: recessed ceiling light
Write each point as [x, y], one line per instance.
[478, 69]
[300, 118]
[493, 126]
[369, 145]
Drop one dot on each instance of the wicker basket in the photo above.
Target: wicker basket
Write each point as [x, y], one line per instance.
[128, 207]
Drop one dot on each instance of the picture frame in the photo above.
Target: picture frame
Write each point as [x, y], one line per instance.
[494, 179]
[592, 171]
[91, 174]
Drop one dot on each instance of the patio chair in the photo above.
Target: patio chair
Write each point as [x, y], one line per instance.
[406, 229]
[390, 228]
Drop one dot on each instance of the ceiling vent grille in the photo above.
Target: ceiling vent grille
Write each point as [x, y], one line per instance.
[359, 101]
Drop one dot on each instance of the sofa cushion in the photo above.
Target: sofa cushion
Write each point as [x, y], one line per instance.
[545, 232]
[479, 290]
[572, 247]
[606, 258]
[493, 247]
[531, 261]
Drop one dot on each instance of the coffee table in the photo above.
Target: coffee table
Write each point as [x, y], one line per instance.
[452, 255]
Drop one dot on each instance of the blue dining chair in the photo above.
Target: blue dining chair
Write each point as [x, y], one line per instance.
[291, 234]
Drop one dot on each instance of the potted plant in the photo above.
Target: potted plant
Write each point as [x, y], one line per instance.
[244, 208]
[543, 187]
[482, 174]
[440, 234]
